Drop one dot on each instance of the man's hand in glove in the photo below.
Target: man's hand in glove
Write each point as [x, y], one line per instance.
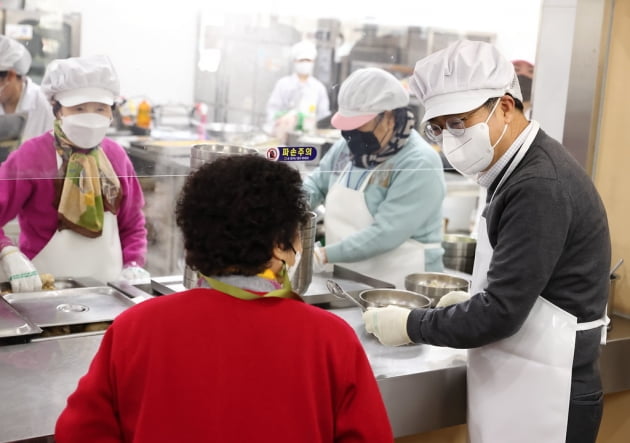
[388, 324]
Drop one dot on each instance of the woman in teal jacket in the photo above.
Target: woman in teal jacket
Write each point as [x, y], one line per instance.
[382, 184]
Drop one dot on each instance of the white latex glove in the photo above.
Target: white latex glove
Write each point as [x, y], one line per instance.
[453, 298]
[320, 263]
[20, 271]
[135, 275]
[388, 324]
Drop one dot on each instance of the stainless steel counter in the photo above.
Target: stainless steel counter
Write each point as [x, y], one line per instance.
[424, 387]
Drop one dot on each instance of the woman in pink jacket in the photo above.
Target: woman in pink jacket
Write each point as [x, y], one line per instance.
[75, 193]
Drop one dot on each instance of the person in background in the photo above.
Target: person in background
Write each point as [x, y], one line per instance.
[382, 184]
[298, 93]
[242, 359]
[18, 93]
[540, 282]
[75, 192]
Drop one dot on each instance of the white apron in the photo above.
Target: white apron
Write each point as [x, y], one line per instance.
[347, 213]
[69, 254]
[519, 387]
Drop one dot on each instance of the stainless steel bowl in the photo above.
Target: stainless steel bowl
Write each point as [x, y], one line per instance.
[379, 298]
[434, 285]
[457, 245]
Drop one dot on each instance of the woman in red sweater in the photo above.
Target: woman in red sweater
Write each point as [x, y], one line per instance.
[242, 359]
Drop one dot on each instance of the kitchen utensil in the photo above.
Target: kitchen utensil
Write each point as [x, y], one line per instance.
[380, 298]
[338, 291]
[435, 285]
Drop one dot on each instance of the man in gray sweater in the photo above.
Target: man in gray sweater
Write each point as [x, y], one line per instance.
[536, 313]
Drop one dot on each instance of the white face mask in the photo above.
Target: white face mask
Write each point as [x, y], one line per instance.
[85, 130]
[472, 152]
[293, 268]
[304, 68]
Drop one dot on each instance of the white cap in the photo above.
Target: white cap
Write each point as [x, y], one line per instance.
[462, 77]
[365, 94]
[304, 50]
[77, 80]
[14, 55]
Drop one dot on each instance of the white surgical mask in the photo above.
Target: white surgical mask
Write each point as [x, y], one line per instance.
[472, 152]
[293, 268]
[304, 68]
[85, 130]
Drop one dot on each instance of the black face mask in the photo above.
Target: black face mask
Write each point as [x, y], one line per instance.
[361, 145]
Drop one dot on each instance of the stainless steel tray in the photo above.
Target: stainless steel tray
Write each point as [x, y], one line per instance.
[14, 328]
[70, 306]
[61, 283]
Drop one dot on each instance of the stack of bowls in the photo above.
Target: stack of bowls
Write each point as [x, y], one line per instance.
[435, 285]
[459, 252]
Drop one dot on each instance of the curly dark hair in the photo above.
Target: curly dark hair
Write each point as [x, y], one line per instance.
[235, 210]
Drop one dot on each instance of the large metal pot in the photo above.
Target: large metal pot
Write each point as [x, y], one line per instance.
[199, 155]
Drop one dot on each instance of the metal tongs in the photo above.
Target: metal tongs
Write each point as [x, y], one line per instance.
[338, 291]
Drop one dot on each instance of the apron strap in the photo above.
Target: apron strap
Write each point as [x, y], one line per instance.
[592, 324]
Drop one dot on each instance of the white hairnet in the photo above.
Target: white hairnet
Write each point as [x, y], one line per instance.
[366, 93]
[462, 77]
[304, 50]
[14, 55]
[77, 80]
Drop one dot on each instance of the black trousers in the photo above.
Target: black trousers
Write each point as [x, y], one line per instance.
[585, 415]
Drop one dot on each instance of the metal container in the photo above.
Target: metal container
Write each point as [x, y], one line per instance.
[380, 298]
[199, 155]
[14, 328]
[207, 153]
[459, 252]
[70, 306]
[435, 285]
[303, 275]
[457, 245]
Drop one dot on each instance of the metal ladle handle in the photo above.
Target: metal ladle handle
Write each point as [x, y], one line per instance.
[338, 291]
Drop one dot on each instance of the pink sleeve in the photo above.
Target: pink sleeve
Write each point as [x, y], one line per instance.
[131, 222]
[90, 414]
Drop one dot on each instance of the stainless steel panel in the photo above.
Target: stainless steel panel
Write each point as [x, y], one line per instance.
[70, 306]
[13, 324]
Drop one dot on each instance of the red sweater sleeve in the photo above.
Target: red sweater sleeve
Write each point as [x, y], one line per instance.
[361, 416]
[89, 414]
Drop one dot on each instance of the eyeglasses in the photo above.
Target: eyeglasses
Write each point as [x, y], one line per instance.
[454, 125]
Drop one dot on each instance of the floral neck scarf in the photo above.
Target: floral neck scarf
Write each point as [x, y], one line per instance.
[89, 187]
